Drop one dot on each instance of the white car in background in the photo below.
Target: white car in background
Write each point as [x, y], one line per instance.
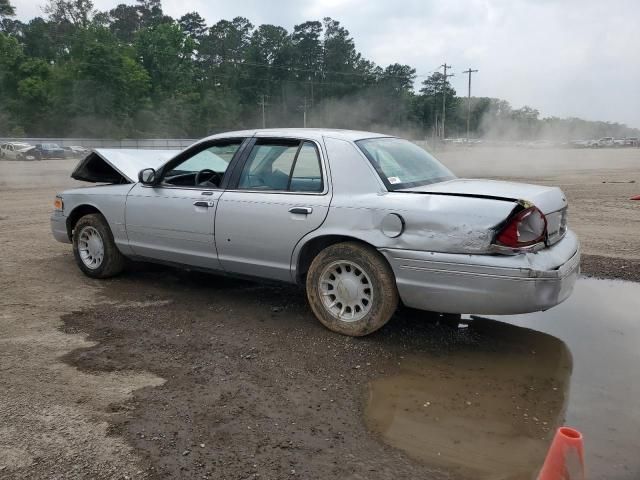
[605, 142]
[15, 151]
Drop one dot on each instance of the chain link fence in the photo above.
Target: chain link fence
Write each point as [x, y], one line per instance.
[137, 143]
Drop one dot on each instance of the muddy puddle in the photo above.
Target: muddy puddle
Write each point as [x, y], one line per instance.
[488, 409]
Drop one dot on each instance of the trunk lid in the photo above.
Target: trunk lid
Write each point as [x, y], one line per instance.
[547, 199]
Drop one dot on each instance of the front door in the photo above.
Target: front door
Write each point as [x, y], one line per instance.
[281, 195]
[173, 221]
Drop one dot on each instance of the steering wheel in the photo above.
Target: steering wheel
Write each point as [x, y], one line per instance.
[208, 176]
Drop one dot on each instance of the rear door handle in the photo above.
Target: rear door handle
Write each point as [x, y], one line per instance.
[202, 203]
[301, 210]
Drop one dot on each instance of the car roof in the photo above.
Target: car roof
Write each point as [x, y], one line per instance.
[306, 133]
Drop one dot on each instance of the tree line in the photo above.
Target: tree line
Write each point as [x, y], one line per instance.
[134, 71]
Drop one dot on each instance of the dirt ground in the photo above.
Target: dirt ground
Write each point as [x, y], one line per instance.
[161, 373]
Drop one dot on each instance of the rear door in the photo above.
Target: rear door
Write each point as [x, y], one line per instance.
[281, 193]
[173, 221]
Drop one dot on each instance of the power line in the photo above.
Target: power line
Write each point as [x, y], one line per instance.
[469, 72]
[319, 72]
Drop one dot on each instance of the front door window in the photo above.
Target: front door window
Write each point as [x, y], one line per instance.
[205, 168]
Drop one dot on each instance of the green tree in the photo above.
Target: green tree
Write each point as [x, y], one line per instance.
[125, 22]
[427, 107]
[102, 87]
[342, 67]
[6, 9]
[307, 48]
[268, 56]
[166, 53]
[193, 25]
[75, 12]
[151, 14]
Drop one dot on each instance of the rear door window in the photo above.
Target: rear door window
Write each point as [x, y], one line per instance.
[306, 175]
[282, 165]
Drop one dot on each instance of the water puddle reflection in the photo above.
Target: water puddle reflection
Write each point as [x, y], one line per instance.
[489, 409]
[486, 410]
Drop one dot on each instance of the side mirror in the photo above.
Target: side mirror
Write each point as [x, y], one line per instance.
[147, 176]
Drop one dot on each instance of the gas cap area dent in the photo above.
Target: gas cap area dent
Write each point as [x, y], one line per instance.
[392, 225]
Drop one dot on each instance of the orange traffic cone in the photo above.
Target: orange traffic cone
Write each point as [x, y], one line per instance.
[565, 459]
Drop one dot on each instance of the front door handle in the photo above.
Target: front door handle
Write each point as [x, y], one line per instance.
[202, 203]
[301, 210]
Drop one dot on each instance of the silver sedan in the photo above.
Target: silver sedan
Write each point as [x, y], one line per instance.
[364, 221]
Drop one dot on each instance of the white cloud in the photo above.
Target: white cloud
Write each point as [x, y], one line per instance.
[566, 58]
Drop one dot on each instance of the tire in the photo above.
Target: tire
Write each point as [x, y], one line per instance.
[362, 278]
[86, 248]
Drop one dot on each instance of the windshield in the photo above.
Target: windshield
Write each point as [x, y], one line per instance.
[402, 164]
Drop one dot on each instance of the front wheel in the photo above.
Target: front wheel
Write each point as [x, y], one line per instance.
[351, 289]
[94, 248]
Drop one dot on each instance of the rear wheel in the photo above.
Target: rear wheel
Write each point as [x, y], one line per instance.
[351, 289]
[94, 248]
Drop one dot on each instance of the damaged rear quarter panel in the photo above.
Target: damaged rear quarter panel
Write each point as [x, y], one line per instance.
[434, 223]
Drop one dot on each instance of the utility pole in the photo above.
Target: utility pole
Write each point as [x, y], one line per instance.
[263, 103]
[304, 114]
[311, 87]
[444, 94]
[469, 72]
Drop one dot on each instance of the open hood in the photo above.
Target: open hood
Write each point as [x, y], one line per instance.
[119, 165]
[547, 199]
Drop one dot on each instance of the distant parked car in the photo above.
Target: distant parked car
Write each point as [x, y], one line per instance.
[48, 150]
[15, 151]
[76, 151]
[581, 143]
[631, 142]
[619, 142]
[605, 142]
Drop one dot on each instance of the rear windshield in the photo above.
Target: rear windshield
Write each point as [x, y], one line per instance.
[402, 164]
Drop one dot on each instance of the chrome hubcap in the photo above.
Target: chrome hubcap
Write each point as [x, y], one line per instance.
[346, 291]
[91, 247]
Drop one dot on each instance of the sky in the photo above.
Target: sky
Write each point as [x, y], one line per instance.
[564, 57]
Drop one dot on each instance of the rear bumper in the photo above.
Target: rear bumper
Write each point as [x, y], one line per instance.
[487, 284]
[59, 227]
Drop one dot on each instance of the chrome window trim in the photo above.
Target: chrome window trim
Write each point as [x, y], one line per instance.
[182, 188]
[279, 192]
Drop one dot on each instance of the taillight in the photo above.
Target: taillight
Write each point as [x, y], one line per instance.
[527, 227]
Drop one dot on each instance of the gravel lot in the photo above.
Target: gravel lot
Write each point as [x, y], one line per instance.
[162, 373]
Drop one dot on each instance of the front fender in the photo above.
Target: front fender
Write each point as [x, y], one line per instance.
[108, 200]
